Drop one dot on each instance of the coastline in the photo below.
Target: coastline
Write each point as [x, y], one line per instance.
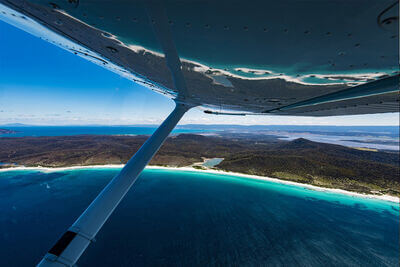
[388, 198]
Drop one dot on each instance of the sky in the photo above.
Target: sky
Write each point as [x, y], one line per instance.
[42, 84]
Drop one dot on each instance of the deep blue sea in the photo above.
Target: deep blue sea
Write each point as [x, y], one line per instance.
[182, 218]
[21, 131]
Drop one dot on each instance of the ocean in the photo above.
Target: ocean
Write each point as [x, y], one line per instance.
[21, 131]
[184, 218]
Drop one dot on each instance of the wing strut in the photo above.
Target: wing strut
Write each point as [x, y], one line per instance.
[73, 243]
[158, 17]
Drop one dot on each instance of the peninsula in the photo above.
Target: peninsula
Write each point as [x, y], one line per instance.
[300, 160]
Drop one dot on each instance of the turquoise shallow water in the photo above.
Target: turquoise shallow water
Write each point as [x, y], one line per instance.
[182, 218]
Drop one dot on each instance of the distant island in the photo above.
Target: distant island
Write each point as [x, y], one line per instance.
[300, 160]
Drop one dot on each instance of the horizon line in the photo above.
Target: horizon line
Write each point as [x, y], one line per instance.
[194, 124]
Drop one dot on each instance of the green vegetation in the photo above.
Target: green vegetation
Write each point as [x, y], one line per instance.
[199, 167]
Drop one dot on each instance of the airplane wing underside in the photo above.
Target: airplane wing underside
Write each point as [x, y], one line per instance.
[307, 58]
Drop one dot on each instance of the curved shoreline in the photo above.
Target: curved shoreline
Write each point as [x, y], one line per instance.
[256, 177]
